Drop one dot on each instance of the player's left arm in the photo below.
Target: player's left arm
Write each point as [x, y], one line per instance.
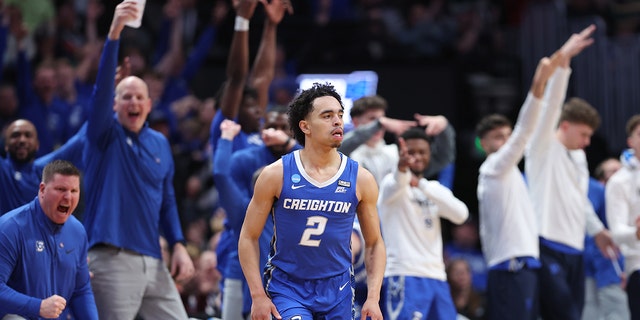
[375, 252]
[450, 207]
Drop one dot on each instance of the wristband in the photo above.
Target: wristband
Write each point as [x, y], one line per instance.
[242, 24]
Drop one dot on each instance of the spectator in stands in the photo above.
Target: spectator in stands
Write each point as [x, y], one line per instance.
[467, 300]
[123, 227]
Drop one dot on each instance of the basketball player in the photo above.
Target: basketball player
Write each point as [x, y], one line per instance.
[313, 196]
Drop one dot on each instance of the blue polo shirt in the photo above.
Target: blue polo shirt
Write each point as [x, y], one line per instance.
[128, 176]
[39, 259]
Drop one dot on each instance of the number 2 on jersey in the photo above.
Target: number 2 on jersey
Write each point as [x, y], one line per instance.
[316, 225]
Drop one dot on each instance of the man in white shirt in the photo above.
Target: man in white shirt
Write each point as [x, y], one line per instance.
[410, 208]
[558, 176]
[508, 228]
[622, 199]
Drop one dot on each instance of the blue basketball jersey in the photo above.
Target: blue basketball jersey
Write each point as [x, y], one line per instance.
[313, 221]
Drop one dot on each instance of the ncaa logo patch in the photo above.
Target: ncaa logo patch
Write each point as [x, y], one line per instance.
[295, 178]
[39, 246]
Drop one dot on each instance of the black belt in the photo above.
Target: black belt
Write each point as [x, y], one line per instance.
[108, 246]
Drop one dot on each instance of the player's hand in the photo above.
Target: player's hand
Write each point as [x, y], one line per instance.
[262, 308]
[275, 9]
[371, 309]
[52, 307]
[229, 129]
[405, 159]
[434, 124]
[125, 11]
[395, 126]
[181, 264]
[273, 137]
[605, 244]
[576, 43]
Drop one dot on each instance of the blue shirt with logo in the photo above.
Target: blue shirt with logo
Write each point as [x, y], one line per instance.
[39, 259]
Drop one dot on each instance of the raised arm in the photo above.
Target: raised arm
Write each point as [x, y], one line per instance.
[511, 153]
[238, 62]
[102, 98]
[443, 147]
[360, 135]
[556, 90]
[264, 65]
[236, 201]
[375, 251]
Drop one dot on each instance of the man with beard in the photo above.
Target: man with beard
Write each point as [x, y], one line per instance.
[20, 171]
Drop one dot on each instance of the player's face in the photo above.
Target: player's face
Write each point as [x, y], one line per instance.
[324, 122]
[421, 151]
[21, 141]
[577, 135]
[634, 140]
[249, 115]
[132, 103]
[495, 139]
[59, 197]
[277, 121]
[460, 275]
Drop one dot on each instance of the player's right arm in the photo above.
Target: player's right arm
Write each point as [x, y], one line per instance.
[375, 252]
[237, 63]
[267, 189]
[102, 99]
[556, 90]
[511, 152]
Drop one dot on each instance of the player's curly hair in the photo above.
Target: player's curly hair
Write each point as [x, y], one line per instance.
[302, 105]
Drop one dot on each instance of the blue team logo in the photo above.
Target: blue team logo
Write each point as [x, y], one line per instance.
[39, 246]
[295, 178]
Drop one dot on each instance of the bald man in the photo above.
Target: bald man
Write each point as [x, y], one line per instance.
[129, 182]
